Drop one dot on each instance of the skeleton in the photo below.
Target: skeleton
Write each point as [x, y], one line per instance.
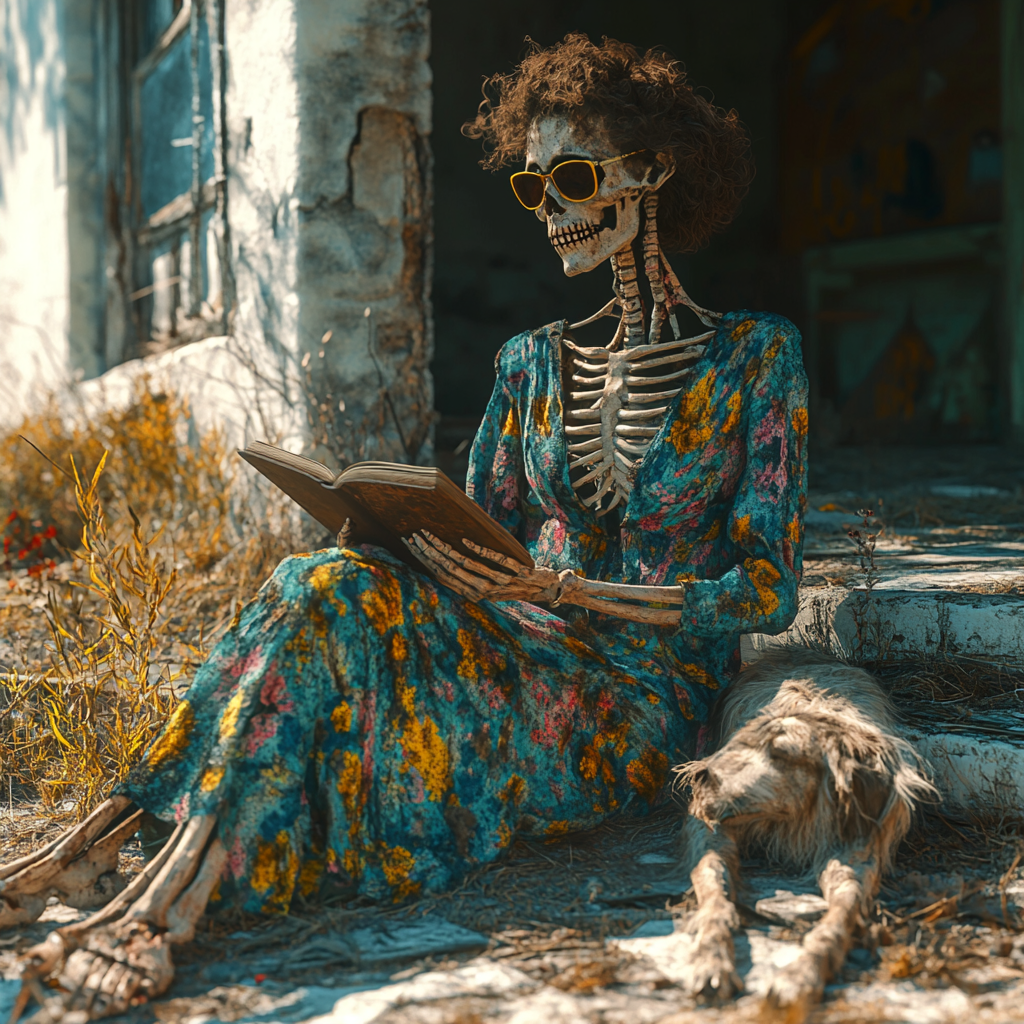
[627, 386]
[630, 383]
[121, 955]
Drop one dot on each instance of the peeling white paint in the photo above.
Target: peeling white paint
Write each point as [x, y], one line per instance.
[33, 205]
[976, 774]
[328, 116]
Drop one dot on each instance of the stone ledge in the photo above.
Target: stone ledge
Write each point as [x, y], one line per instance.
[978, 776]
[897, 621]
[949, 591]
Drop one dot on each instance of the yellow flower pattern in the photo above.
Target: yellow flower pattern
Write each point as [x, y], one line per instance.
[363, 727]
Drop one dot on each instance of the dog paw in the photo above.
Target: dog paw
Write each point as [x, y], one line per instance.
[713, 976]
[794, 990]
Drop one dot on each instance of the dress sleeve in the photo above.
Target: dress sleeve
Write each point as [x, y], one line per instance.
[496, 479]
[765, 523]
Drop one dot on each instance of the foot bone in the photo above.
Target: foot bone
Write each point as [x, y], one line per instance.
[117, 968]
[80, 866]
[121, 955]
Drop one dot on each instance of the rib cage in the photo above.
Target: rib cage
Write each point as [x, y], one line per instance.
[611, 423]
[612, 420]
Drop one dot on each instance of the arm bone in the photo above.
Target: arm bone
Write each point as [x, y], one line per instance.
[611, 598]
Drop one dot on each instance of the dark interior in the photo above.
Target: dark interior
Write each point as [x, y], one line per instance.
[872, 223]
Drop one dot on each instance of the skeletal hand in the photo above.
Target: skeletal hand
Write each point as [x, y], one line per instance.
[478, 580]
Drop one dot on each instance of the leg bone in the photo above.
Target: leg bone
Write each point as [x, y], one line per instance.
[36, 868]
[120, 956]
[175, 875]
[67, 865]
[188, 908]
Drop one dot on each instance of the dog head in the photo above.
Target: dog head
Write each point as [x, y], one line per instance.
[805, 774]
[770, 769]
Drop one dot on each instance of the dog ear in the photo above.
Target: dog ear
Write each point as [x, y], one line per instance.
[870, 792]
[862, 793]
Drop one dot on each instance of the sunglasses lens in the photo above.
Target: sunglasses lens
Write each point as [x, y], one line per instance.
[529, 188]
[576, 180]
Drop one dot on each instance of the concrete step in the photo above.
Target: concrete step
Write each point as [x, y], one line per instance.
[908, 616]
[929, 592]
[978, 775]
[931, 597]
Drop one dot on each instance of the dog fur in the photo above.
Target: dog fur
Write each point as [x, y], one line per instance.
[809, 772]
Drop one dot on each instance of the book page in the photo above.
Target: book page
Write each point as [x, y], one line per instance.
[284, 458]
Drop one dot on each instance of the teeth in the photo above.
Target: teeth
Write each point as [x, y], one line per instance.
[564, 237]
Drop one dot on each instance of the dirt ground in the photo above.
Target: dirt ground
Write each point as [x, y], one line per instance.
[593, 927]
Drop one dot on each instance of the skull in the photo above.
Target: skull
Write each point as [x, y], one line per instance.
[584, 235]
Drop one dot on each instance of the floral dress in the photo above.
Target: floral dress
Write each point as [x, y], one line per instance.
[364, 729]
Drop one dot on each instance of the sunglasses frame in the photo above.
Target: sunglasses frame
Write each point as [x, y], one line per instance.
[545, 178]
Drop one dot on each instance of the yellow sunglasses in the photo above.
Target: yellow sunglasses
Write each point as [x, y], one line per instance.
[574, 180]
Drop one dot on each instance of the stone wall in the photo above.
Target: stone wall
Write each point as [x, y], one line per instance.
[328, 175]
[329, 207]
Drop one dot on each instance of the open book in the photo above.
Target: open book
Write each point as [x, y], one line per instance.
[384, 502]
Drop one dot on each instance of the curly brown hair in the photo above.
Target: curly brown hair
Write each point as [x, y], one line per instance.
[643, 101]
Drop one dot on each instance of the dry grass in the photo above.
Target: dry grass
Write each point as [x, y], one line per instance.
[157, 465]
[144, 560]
[962, 693]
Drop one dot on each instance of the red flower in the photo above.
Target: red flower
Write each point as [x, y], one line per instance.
[51, 532]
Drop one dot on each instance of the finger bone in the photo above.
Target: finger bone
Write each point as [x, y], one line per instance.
[511, 564]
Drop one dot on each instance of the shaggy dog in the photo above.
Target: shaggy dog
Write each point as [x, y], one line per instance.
[808, 771]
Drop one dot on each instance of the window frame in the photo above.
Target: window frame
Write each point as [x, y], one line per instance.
[182, 216]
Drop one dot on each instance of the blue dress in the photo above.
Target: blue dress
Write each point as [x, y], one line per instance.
[362, 727]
